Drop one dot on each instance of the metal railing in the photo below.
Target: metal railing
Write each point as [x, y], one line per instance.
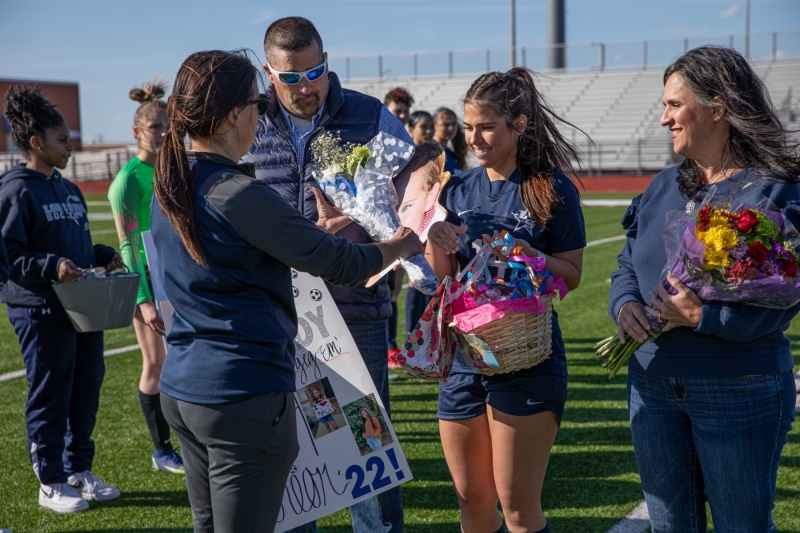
[83, 166]
[772, 46]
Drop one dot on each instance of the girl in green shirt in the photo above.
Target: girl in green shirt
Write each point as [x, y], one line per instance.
[130, 195]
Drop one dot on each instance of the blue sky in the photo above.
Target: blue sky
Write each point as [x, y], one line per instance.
[111, 46]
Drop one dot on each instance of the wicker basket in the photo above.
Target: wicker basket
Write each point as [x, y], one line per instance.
[517, 341]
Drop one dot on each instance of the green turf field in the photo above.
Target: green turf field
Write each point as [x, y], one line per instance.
[591, 482]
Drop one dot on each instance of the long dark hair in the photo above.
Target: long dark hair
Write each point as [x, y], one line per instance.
[459, 142]
[29, 113]
[541, 148]
[209, 85]
[719, 76]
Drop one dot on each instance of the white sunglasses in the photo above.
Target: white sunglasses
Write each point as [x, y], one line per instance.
[293, 78]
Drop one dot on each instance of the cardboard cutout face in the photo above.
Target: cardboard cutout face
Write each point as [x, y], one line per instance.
[418, 206]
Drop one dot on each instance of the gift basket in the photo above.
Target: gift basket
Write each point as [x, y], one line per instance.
[428, 353]
[358, 180]
[99, 300]
[500, 326]
[503, 326]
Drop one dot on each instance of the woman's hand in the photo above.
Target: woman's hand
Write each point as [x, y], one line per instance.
[68, 271]
[331, 218]
[527, 249]
[115, 263]
[408, 240]
[444, 236]
[633, 321]
[146, 312]
[682, 309]
[404, 243]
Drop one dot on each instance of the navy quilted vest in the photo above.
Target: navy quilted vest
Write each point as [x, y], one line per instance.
[356, 117]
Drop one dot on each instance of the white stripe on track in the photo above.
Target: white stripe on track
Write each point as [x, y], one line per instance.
[637, 521]
[115, 351]
[606, 203]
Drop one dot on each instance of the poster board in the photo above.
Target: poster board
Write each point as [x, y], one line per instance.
[343, 458]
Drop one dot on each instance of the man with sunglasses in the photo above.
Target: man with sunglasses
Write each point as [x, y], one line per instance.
[304, 99]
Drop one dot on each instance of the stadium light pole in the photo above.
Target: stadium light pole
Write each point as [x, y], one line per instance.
[747, 29]
[513, 33]
[556, 35]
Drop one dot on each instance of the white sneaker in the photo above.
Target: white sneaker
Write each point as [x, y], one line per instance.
[89, 487]
[61, 498]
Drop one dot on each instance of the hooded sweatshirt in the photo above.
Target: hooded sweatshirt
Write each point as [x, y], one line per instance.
[44, 221]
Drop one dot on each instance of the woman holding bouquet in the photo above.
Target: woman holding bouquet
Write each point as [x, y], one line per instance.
[711, 399]
[228, 378]
[497, 431]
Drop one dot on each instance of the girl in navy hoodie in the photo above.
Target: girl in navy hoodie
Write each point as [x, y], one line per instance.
[46, 233]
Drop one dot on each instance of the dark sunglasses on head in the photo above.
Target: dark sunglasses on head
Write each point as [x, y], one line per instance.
[293, 78]
[261, 101]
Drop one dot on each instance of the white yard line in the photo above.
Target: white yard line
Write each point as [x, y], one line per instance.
[615, 238]
[98, 204]
[114, 351]
[103, 231]
[606, 203]
[637, 521]
[101, 216]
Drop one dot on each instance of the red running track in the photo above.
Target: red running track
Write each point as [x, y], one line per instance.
[606, 184]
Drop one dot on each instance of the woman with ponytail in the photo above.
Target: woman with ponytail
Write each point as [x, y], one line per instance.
[130, 195]
[497, 431]
[226, 244]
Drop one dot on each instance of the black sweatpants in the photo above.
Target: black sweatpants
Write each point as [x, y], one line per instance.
[237, 458]
[65, 372]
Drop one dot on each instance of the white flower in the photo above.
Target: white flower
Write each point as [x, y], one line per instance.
[330, 173]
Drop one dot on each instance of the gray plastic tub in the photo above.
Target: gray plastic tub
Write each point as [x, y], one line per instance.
[96, 304]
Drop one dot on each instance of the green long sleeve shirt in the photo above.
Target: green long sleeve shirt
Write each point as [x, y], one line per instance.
[130, 195]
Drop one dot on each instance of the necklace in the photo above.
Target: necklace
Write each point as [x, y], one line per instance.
[690, 205]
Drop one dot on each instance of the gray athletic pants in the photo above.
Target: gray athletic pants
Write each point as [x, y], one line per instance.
[237, 458]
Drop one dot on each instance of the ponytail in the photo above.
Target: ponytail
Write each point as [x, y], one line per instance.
[541, 148]
[174, 189]
[209, 85]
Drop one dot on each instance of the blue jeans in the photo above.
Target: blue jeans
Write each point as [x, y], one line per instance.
[710, 439]
[374, 443]
[384, 512]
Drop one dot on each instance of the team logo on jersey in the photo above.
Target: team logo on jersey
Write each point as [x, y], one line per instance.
[524, 221]
[72, 209]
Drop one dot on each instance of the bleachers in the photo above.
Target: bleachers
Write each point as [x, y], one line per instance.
[618, 109]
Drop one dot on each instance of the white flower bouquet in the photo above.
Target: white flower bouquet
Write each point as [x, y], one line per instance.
[358, 180]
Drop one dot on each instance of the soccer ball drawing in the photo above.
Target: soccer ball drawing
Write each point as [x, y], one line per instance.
[316, 295]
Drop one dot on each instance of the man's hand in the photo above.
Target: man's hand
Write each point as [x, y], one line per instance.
[68, 271]
[331, 219]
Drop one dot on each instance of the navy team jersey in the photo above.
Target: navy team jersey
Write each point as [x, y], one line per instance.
[484, 207]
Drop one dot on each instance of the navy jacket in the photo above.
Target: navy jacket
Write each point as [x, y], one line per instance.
[731, 339]
[234, 325]
[3, 264]
[44, 221]
[356, 117]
